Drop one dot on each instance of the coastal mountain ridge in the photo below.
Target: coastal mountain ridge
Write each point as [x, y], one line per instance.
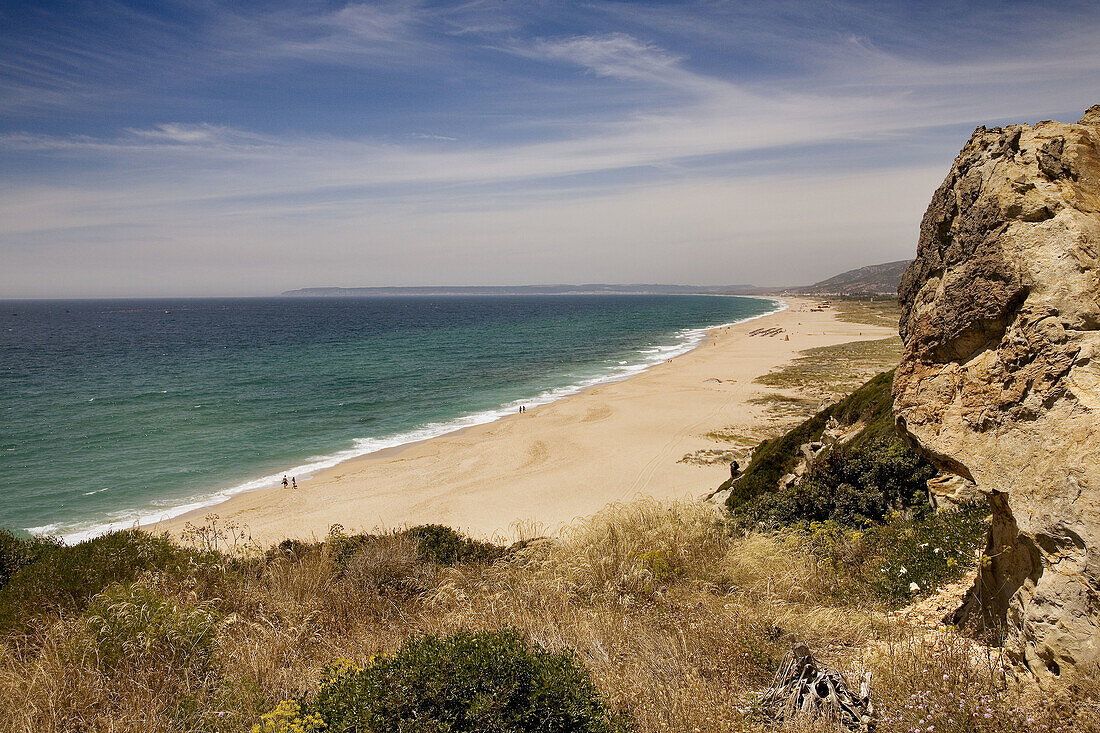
[879, 279]
[585, 289]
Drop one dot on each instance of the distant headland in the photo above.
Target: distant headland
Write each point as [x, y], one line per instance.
[864, 281]
[589, 289]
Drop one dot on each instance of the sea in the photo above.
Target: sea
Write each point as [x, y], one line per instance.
[117, 412]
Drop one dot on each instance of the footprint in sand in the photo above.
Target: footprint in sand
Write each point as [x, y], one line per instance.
[538, 452]
[594, 414]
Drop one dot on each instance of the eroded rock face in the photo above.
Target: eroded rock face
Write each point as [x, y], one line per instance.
[1000, 379]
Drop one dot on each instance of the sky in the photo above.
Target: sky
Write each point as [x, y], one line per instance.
[227, 148]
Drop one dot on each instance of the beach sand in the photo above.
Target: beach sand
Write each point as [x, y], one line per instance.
[554, 463]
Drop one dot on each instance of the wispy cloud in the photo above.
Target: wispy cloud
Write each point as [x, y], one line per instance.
[430, 136]
[485, 135]
[617, 55]
[349, 34]
[174, 132]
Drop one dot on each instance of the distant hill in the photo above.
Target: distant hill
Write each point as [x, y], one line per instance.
[871, 280]
[589, 289]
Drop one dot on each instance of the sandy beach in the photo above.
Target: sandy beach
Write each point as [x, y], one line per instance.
[559, 461]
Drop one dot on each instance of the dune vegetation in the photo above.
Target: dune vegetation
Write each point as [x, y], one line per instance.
[647, 617]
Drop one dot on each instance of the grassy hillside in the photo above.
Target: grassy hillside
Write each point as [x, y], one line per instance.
[647, 617]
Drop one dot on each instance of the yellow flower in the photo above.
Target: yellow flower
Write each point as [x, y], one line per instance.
[287, 718]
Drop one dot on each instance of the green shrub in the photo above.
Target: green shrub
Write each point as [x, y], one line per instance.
[291, 549]
[855, 485]
[444, 546]
[137, 625]
[871, 404]
[930, 551]
[341, 546]
[468, 681]
[18, 552]
[883, 560]
[63, 578]
[435, 544]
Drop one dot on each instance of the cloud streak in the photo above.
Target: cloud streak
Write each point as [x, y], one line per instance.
[375, 135]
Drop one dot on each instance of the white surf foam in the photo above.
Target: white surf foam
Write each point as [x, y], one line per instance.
[686, 340]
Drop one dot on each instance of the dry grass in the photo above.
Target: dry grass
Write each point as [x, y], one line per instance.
[880, 312]
[785, 408]
[678, 621]
[740, 437]
[829, 372]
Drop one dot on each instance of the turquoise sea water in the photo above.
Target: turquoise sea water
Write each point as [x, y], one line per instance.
[113, 412]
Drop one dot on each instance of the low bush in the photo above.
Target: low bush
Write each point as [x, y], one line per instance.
[18, 552]
[855, 485]
[136, 624]
[59, 577]
[871, 404]
[382, 576]
[930, 551]
[290, 549]
[289, 717]
[884, 559]
[435, 544]
[468, 681]
[445, 546]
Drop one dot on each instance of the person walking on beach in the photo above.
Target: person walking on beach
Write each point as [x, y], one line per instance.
[285, 482]
[293, 482]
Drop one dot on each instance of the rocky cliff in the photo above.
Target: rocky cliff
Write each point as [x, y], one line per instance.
[999, 384]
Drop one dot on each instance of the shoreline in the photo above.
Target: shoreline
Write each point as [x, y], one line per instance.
[567, 392]
[547, 466]
[201, 505]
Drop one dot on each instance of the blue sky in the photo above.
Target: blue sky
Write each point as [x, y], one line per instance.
[207, 148]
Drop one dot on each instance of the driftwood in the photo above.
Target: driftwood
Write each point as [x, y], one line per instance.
[803, 687]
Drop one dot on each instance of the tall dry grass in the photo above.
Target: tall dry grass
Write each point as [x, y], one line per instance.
[679, 622]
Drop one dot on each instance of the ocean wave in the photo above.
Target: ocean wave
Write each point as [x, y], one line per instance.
[686, 340]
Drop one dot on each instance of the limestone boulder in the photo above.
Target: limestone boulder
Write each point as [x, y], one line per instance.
[999, 384]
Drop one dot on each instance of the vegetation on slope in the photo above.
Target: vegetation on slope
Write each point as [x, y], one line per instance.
[855, 485]
[673, 619]
[871, 404]
[863, 502]
[832, 372]
[44, 578]
[466, 682]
